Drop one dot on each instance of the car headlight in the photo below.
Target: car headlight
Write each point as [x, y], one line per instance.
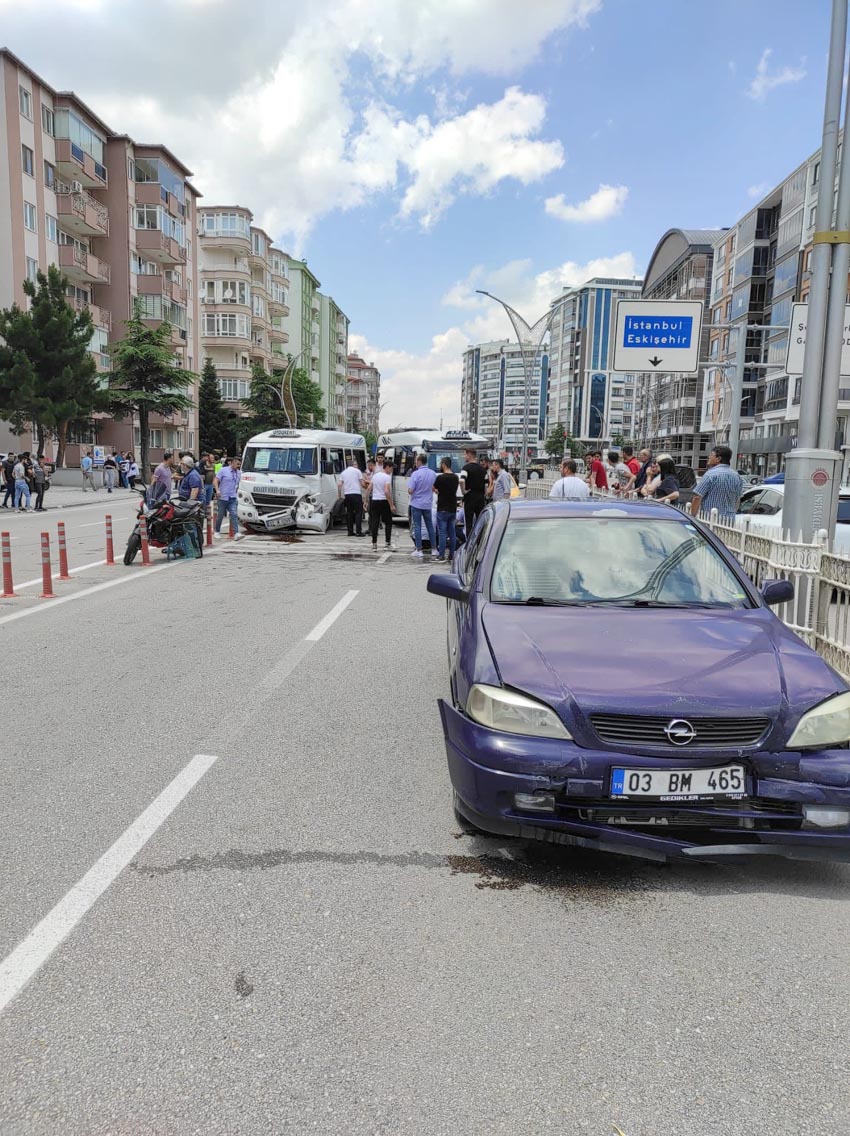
[826, 725]
[514, 713]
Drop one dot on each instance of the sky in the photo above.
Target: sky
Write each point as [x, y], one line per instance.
[416, 150]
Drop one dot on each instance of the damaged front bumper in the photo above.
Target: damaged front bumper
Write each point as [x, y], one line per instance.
[488, 769]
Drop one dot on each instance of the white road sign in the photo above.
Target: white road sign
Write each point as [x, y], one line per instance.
[797, 340]
[658, 335]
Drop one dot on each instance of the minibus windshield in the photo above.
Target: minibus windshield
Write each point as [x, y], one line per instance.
[280, 459]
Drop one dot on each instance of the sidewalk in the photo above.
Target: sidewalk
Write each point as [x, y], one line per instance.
[66, 497]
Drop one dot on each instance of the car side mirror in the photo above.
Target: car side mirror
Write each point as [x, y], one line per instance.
[448, 585]
[775, 592]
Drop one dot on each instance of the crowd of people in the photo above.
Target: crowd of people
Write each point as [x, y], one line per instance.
[654, 476]
[117, 468]
[26, 478]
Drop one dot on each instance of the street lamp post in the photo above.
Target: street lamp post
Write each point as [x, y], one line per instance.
[529, 358]
[281, 394]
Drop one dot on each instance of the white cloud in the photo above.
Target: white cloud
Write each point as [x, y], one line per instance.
[418, 388]
[758, 190]
[269, 111]
[607, 202]
[763, 82]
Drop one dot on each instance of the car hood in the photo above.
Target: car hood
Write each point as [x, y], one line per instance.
[657, 662]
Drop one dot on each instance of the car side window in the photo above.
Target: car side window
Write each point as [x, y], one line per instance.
[749, 501]
[475, 549]
[770, 503]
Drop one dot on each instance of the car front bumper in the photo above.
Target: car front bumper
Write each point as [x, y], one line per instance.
[488, 768]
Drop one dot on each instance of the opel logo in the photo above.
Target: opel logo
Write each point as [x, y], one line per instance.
[679, 732]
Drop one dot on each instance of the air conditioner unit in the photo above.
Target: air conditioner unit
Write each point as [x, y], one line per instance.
[76, 187]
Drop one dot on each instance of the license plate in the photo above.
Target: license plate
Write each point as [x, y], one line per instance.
[280, 522]
[679, 784]
[277, 490]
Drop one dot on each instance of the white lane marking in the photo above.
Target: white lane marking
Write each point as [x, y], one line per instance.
[321, 627]
[92, 525]
[142, 574]
[33, 952]
[383, 559]
[73, 572]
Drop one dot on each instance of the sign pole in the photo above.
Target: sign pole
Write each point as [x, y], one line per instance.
[737, 392]
[811, 474]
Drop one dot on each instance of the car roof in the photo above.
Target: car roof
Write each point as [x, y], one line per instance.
[596, 507]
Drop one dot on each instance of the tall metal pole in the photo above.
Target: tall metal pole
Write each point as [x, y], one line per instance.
[834, 338]
[811, 474]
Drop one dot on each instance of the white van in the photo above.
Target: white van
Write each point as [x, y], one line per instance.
[290, 477]
[402, 446]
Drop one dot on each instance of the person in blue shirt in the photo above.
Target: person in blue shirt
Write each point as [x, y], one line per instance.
[719, 487]
[86, 469]
[191, 484]
[420, 486]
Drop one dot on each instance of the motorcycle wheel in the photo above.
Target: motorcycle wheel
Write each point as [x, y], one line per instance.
[133, 546]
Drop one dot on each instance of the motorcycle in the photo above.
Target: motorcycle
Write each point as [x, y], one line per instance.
[166, 520]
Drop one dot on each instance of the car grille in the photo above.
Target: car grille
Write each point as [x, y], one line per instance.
[712, 733]
[273, 502]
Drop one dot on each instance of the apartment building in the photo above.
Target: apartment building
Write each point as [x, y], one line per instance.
[244, 299]
[114, 215]
[669, 404]
[594, 403]
[761, 267]
[363, 396]
[302, 324]
[493, 396]
[333, 355]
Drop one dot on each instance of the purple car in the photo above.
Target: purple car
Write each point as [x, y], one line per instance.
[618, 682]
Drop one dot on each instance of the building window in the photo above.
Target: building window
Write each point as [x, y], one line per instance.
[233, 390]
[812, 215]
[815, 173]
[51, 228]
[155, 439]
[49, 175]
[28, 160]
[29, 217]
[221, 324]
[25, 99]
[32, 269]
[47, 120]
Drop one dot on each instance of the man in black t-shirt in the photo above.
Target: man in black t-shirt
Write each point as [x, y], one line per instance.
[445, 486]
[474, 480]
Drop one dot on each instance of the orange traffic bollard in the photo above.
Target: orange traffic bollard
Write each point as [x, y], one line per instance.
[143, 533]
[64, 574]
[110, 552]
[8, 586]
[209, 526]
[46, 574]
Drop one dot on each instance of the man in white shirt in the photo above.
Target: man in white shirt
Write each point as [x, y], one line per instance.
[570, 487]
[381, 505]
[350, 488]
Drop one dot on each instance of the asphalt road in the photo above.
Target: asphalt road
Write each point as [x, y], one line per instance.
[306, 943]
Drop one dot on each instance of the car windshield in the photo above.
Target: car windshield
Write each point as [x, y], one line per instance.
[458, 460]
[280, 459]
[612, 560]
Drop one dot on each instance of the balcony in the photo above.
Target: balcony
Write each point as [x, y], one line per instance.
[82, 266]
[340, 338]
[277, 334]
[100, 316]
[155, 244]
[149, 285]
[339, 369]
[278, 307]
[79, 213]
[228, 239]
[74, 164]
[103, 362]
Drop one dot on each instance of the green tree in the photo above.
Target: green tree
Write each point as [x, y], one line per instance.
[145, 380]
[48, 377]
[308, 399]
[554, 444]
[217, 426]
[371, 440]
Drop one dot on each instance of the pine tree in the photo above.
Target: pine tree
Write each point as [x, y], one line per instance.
[554, 444]
[144, 379]
[265, 411]
[48, 377]
[217, 426]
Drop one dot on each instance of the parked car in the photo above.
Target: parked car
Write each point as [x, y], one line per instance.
[763, 504]
[750, 478]
[618, 682]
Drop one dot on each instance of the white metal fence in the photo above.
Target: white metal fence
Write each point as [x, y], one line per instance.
[820, 610]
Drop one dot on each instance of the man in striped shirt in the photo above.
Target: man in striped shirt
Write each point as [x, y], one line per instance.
[719, 487]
